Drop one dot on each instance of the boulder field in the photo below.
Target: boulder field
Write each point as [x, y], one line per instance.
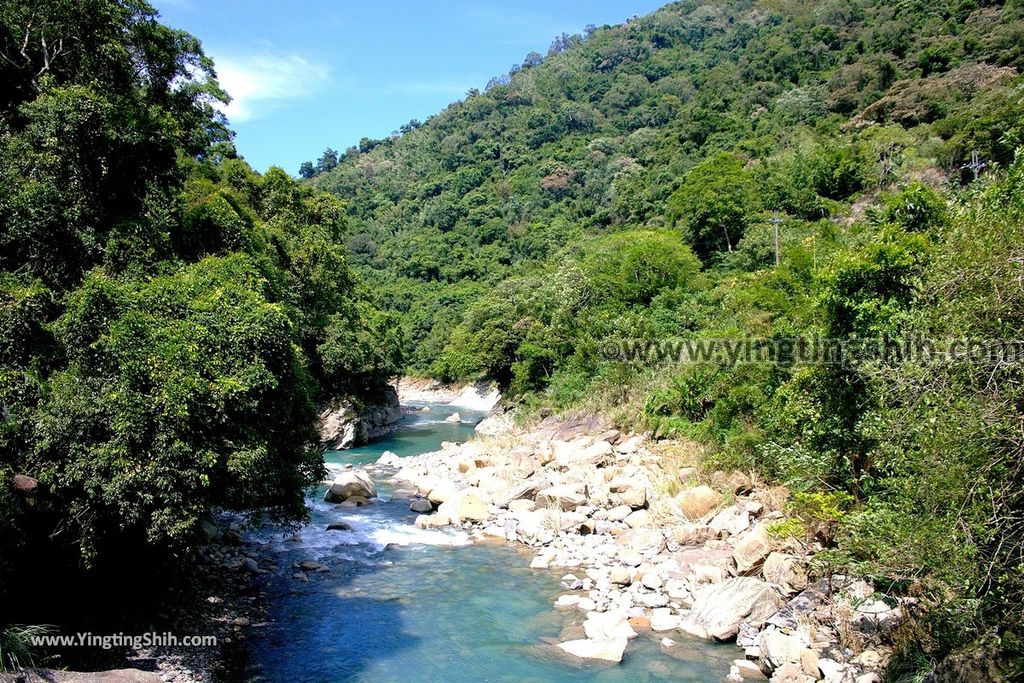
[651, 543]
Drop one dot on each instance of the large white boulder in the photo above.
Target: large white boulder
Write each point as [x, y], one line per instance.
[348, 484]
[719, 608]
[465, 505]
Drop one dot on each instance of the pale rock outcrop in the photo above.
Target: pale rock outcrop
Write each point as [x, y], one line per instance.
[718, 609]
[347, 423]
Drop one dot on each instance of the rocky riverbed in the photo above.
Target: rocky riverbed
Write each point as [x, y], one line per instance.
[648, 543]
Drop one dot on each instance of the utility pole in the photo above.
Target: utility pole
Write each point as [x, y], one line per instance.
[777, 221]
[976, 166]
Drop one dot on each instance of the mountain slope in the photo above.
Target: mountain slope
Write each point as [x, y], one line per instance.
[599, 135]
[570, 231]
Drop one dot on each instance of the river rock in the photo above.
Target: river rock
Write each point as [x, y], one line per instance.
[731, 521]
[454, 417]
[521, 505]
[786, 572]
[609, 625]
[748, 671]
[442, 492]
[629, 492]
[698, 501]
[389, 459]
[466, 505]
[311, 566]
[621, 575]
[777, 647]
[751, 549]
[638, 519]
[561, 497]
[718, 609]
[421, 505]
[339, 526]
[662, 619]
[434, 521]
[350, 483]
[604, 650]
[618, 513]
[528, 488]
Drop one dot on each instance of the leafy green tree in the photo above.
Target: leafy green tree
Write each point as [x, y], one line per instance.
[714, 204]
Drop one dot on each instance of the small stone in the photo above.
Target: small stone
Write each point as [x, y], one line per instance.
[311, 566]
[621, 576]
[618, 513]
[662, 619]
[651, 580]
[567, 600]
[571, 582]
[421, 505]
[339, 526]
[540, 562]
[631, 558]
[638, 519]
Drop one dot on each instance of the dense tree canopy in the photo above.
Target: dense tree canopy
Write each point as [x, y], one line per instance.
[170, 318]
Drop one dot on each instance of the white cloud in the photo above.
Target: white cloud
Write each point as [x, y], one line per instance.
[261, 82]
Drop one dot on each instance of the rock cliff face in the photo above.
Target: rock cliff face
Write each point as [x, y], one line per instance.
[347, 423]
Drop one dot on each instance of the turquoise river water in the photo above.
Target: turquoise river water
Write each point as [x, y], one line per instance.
[411, 605]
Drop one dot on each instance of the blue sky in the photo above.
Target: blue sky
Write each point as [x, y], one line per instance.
[309, 74]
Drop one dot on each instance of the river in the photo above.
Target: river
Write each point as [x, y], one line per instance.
[404, 604]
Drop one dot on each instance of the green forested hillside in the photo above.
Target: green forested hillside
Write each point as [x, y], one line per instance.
[169, 317]
[817, 104]
[622, 189]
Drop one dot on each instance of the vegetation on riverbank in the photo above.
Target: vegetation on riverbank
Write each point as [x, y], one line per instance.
[622, 189]
[170, 317]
